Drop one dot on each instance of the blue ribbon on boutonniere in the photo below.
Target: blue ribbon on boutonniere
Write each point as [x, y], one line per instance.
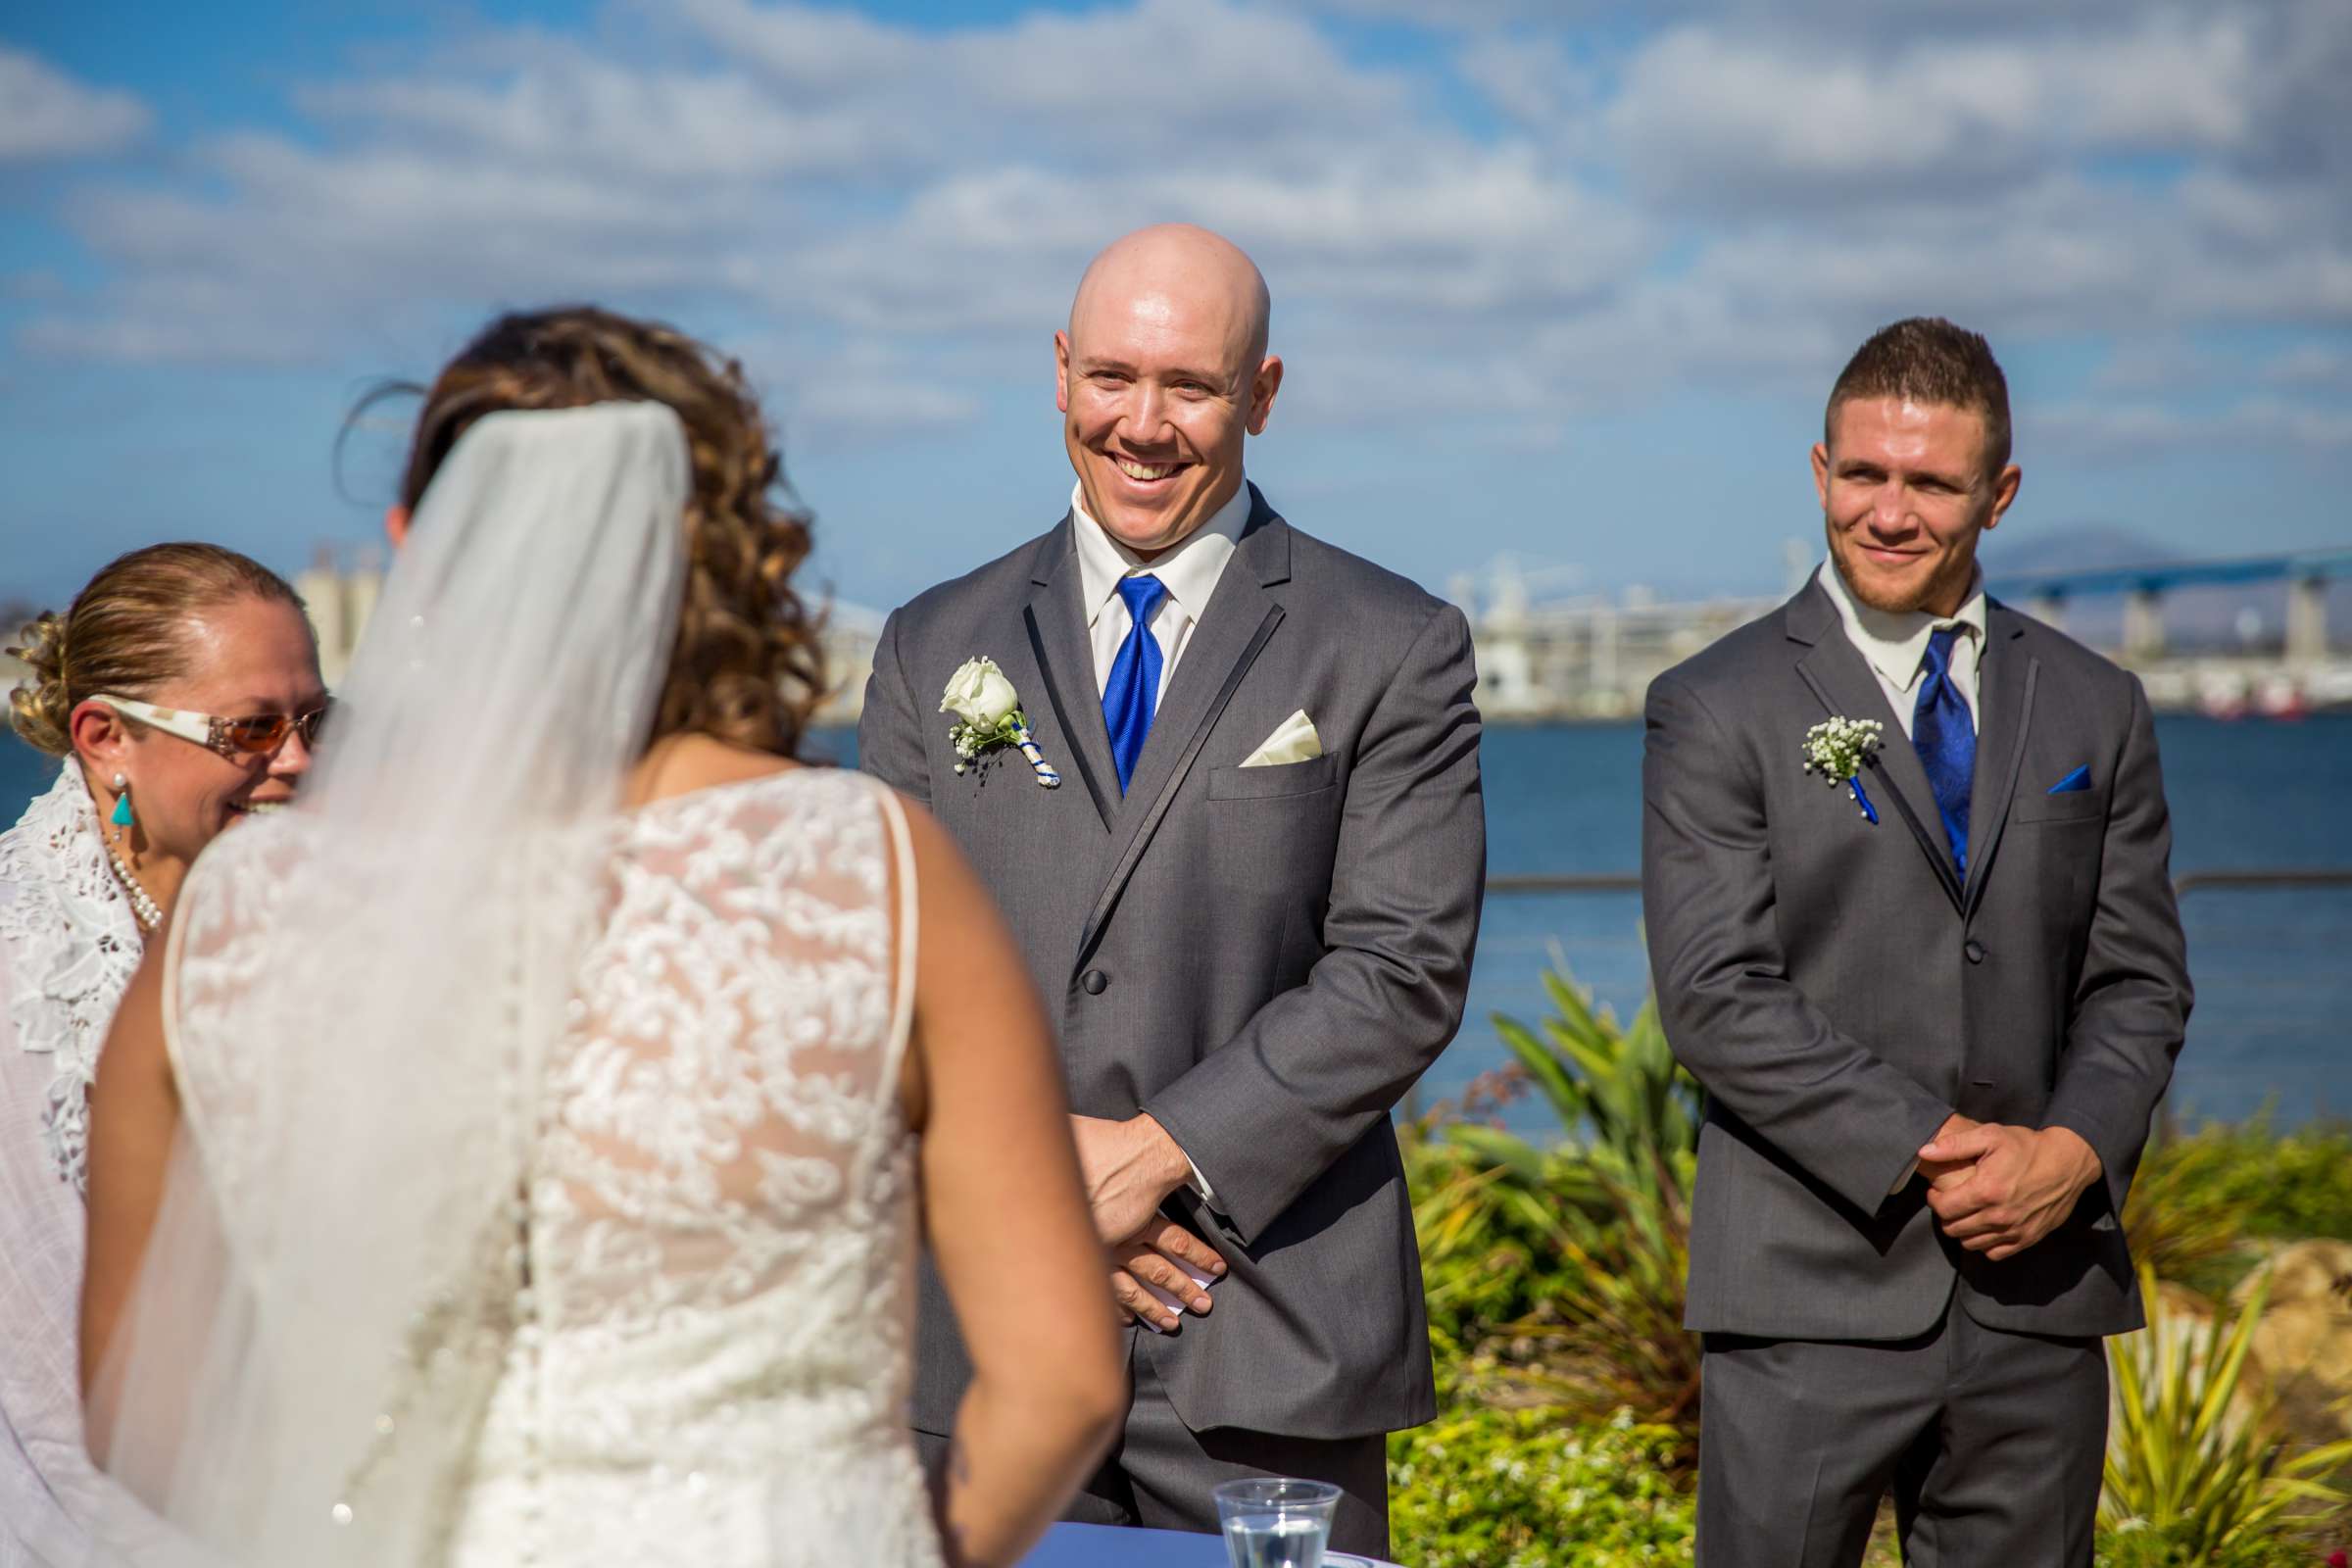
[1836, 748]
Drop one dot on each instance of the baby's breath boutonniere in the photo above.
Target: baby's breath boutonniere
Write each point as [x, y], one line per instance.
[989, 714]
[1836, 748]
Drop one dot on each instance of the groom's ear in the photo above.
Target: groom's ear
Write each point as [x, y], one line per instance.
[396, 526]
[1262, 391]
[1062, 371]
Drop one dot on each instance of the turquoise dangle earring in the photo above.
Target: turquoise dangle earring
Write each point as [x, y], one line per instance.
[143, 908]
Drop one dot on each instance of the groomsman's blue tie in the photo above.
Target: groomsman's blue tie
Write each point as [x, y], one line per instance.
[1945, 735]
[1133, 690]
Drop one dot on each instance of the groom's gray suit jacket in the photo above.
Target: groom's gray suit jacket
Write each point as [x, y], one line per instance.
[1264, 959]
[1838, 991]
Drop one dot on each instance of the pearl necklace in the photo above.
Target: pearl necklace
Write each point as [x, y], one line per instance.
[143, 908]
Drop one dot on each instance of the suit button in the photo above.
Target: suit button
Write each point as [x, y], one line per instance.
[1095, 982]
[1974, 950]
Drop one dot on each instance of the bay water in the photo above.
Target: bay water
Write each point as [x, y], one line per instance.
[2272, 968]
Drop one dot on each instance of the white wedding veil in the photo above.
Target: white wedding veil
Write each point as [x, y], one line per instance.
[358, 995]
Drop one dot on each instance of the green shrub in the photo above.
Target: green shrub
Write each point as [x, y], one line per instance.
[1520, 1489]
[2204, 1203]
[2147, 1546]
[2189, 1461]
[1558, 1272]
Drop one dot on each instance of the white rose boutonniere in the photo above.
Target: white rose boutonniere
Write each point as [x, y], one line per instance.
[1836, 748]
[989, 714]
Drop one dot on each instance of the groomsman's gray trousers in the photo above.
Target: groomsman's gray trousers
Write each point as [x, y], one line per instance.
[1991, 1442]
[1161, 1473]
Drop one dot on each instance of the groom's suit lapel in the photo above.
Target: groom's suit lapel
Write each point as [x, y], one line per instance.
[1241, 616]
[2009, 676]
[1836, 670]
[1066, 658]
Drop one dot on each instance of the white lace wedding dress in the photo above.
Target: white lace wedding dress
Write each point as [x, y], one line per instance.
[701, 1316]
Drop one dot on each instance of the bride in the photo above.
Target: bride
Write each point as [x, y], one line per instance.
[513, 1155]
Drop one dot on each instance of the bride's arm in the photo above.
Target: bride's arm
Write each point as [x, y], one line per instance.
[134, 1114]
[1006, 1220]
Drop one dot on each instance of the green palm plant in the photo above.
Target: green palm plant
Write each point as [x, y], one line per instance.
[2185, 1455]
[1562, 1268]
[1618, 1091]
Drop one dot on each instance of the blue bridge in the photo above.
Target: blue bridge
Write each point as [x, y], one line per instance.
[2306, 574]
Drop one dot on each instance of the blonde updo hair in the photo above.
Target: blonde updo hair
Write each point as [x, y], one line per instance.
[127, 632]
[747, 667]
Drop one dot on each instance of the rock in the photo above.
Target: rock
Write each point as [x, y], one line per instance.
[2305, 1338]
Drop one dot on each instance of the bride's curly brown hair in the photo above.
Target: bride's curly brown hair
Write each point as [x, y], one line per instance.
[748, 666]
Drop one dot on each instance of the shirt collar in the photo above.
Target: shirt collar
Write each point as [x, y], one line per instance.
[1189, 572]
[1896, 642]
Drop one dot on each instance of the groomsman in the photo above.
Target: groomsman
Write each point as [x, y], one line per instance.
[1933, 1006]
[1250, 897]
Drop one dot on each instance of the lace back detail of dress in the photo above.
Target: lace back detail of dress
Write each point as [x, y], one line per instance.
[723, 1100]
[694, 1331]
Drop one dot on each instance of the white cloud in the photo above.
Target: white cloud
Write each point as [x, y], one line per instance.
[1726, 204]
[46, 115]
[1734, 119]
[2115, 428]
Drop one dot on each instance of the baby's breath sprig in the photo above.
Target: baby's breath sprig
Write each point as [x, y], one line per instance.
[1836, 748]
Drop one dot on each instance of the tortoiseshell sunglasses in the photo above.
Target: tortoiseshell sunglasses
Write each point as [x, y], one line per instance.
[259, 736]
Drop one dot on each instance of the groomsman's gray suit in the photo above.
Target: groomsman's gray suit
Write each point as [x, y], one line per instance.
[1840, 991]
[1263, 959]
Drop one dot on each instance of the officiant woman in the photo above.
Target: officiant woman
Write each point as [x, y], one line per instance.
[180, 693]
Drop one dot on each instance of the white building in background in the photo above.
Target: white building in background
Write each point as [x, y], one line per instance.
[341, 598]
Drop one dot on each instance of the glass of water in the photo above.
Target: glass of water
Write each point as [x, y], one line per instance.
[1273, 1522]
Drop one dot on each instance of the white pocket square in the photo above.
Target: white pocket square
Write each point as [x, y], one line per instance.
[1294, 741]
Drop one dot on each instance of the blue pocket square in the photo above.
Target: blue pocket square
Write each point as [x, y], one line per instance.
[2078, 779]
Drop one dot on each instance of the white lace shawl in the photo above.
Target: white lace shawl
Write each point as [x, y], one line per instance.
[72, 945]
[68, 947]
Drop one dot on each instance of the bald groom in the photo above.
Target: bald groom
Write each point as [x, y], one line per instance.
[1250, 900]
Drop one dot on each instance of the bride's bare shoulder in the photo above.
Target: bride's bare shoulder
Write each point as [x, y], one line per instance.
[684, 765]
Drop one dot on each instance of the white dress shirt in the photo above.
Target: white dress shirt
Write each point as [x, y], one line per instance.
[1189, 572]
[1894, 645]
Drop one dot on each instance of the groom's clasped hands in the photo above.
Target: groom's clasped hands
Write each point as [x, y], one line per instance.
[1130, 1167]
[1997, 1190]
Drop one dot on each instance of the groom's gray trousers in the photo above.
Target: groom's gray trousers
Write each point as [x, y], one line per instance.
[1840, 987]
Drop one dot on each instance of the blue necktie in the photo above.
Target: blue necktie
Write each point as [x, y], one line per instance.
[1133, 690]
[1945, 735]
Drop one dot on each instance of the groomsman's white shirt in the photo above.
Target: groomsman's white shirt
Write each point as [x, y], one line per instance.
[1896, 648]
[1189, 573]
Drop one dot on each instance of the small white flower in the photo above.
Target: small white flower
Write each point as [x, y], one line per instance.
[979, 694]
[988, 713]
[1836, 748]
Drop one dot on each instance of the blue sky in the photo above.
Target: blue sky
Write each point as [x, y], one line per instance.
[1561, 280]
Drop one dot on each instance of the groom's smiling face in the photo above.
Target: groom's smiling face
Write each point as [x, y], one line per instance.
[1160, 376]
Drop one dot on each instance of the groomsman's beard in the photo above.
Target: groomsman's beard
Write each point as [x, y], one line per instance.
[1939, 592]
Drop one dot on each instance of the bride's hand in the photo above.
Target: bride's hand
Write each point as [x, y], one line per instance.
[1160, 1254]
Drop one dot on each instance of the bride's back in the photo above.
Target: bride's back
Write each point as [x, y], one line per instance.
[719, 1229]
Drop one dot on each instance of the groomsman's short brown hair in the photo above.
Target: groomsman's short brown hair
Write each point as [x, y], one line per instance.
[1926, 359]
